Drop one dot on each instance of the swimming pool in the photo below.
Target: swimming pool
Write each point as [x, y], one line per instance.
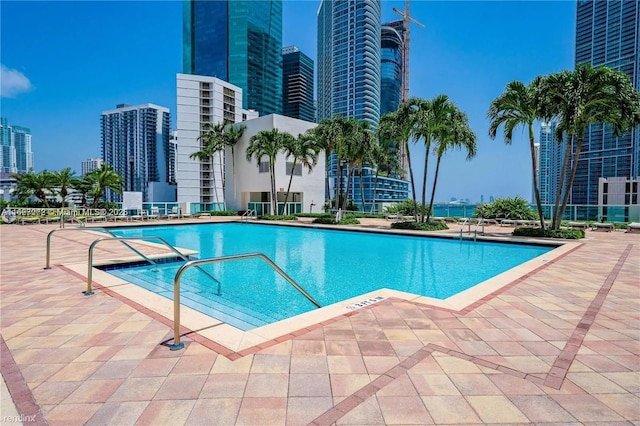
[331, 265]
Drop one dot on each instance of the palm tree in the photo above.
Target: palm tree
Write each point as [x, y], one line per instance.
[432, 120]
[231, 136]
[105, 178]
[267, 143]
[384, 157]
[400, 126]
[518, 106]
[63, 180]
[578, 99]
[84, 185]
[211, 142]
[326, 138]
[37, 184]
[304, 150]
[456, 135]
[362, 154]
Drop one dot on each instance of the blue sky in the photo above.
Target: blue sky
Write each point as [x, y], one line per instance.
[63, 63]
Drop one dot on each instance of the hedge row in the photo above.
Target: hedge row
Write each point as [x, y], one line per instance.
[567, 234]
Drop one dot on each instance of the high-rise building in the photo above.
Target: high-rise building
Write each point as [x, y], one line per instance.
[550, 163]
[15, 148]
[349, 59]
[607, 33]
[392, 38]
[201, 101]
[240, 42]
[135, 142]
[91, 164]
[349, 84]
[297, 85]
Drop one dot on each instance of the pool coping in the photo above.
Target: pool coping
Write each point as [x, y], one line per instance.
[231, 341]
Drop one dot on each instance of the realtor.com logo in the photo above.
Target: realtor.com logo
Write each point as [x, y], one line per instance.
[19, 419]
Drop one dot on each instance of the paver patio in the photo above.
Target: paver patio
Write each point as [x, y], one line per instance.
[558, 346]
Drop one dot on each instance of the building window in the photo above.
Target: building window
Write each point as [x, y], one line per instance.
[263, 167]
[296, 172]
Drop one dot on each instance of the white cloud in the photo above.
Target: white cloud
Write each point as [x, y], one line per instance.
[13, 82]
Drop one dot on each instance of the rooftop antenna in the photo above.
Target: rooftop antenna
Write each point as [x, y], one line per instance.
[406, 18]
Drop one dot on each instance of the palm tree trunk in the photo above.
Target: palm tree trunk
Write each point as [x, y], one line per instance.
[536, 187]
[375, 187]
[413, 185]
[427, 145]
[222, 176]
[274, 198]
[361, 190]
[327, 190]
[574, 168]
[433, 190]
[286, 197]
[215, 187]
[555, 224]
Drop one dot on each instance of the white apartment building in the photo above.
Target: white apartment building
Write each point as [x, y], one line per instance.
[91, 164]
[202, 100]
[249, 187]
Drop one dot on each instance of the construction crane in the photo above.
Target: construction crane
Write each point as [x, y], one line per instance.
[406, 18]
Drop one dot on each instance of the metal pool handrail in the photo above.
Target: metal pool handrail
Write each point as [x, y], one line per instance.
[196, 263]
[97, 228]
[142, 237]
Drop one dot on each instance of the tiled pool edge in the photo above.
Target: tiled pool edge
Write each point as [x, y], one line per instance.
[553, 379]
[233, 343]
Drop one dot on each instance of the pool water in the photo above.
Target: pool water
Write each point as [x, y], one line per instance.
[331, 265]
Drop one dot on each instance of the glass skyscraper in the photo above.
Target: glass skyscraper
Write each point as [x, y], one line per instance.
[240, 42]
[135, 142]
[607, 33]
[349, 59]
[391, 66]
[15, 148]
[297, 85]
[350, 68]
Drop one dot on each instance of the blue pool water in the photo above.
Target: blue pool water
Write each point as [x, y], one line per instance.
[330, 265]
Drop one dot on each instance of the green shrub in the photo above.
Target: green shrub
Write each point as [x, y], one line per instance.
[221, 213]
[325, 220]
[278, 217]
[567, 234]
[420, 226]
[349, 221]
[507, 208]
[312, 215]
[405, 208]
[329, 220]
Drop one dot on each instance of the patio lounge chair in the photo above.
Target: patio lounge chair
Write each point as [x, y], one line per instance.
[633, 227]
[25, 220]
[606, 226]
[578, 225]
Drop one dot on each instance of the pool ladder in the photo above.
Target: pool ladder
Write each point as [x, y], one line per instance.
[176, 281]
[246, 215]
[467, 222]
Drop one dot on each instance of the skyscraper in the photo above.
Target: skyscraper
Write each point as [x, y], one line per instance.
[391, 66]
[607, 33]
[349, 59]
[349, 84]
[297, 85]
[90, 164]
[550, 163]
[135, 142]
[15, 148]
[203, 101]
[240, 42]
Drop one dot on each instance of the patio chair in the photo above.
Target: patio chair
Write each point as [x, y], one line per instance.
[605, 226]
[633, 227]
[578, 225]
